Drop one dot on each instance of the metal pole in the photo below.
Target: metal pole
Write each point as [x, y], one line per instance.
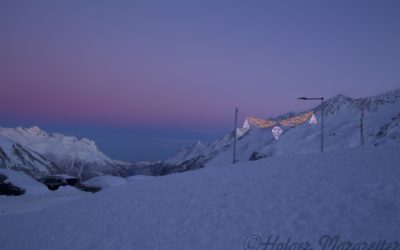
[322, 125]
[362, 127]
[234, 136]
[322, 117]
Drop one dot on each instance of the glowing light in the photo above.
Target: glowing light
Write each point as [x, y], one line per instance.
[289, 122]
[313, 120]
[296, 120]
[277, 131]
[260, 122]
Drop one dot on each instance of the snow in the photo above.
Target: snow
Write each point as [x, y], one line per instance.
[36, 197]
[22, 180]
[80, 158]
[25, 204]
[353, 193]
[6, 143]
[140, 178]
[188, 153]
[295, 192]
[16, 156]
[341, 131]
[106, 181]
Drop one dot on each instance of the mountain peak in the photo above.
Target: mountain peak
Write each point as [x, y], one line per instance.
[35, 130]
[339, 97]
[32, 131]
[341, 130]
[334, 104]
[73, 156]
[199, 143]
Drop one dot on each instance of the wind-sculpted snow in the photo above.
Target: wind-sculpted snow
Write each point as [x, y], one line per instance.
[349, 193]
[106, 181]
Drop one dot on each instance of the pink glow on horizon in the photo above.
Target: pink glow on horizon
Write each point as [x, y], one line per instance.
[192, 63]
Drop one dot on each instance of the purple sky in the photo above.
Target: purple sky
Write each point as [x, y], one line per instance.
[189, 63]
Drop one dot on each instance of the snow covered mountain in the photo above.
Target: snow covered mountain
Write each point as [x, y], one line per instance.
[15, 156]
[33, 150]
[75, 157]
[341, 131]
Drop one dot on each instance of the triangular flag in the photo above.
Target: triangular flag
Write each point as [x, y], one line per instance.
[246, 124]
[313, 120]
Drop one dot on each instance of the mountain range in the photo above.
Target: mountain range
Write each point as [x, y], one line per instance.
[45, 153]
[342, 121]
[38, 153]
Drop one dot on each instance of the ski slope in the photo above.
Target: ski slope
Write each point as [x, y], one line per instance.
[353, 193]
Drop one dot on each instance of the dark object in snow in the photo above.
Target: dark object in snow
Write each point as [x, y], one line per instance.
[73, 182]
[55, 181]
[257, 156]
[2, 178]
[9, 189]
[87, 188]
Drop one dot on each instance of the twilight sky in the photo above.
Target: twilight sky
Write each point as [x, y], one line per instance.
[144, 78]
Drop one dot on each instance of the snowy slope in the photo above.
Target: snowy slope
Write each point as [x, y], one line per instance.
[15, 156]
[75, 157]
[352, 193]
[341, 131]
[36, 197]
[24, 181]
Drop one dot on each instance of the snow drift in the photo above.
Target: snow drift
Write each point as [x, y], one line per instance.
[353, 193]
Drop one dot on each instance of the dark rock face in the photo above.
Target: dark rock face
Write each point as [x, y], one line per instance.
[54, 182]
[2, 178]
[383, 131]
[3, 157]
[23, 159]
[85, 171]
[192, 164]
[8, 188]
[162, 168]
[86, 188]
